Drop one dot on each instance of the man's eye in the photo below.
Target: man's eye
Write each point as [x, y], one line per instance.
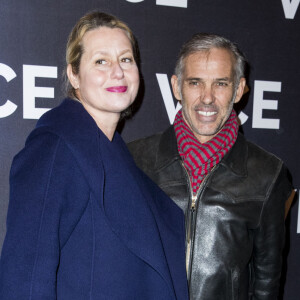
[101, 62]
[222, 83]
[194, 83]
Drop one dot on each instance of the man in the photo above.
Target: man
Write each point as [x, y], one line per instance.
[232, 192]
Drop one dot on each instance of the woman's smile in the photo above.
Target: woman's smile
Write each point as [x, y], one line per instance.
[117, 89]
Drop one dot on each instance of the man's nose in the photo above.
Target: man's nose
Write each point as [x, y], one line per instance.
[207, 95]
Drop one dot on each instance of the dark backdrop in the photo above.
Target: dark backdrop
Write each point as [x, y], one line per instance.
[33, 35]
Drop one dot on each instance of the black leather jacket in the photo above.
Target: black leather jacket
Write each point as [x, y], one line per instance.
[235, 228]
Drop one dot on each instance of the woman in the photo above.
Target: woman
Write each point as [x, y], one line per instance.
[83, 221]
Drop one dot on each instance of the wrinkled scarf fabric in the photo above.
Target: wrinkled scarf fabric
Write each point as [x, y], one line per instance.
[199, 158]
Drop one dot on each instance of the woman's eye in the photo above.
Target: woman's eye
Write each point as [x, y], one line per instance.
[101, 62]
[127, 60]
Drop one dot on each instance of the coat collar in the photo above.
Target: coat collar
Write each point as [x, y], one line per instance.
[235, 160]
[167, 149]
[146, 224]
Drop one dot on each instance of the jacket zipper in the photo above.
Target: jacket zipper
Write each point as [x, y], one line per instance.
[191, 221]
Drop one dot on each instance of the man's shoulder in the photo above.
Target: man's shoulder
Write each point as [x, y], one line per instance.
[256, 152]
[259, 161]
[143, 144]
[144, 150]
[156, 150]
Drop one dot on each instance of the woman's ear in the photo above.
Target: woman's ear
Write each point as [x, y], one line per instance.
[73, 78]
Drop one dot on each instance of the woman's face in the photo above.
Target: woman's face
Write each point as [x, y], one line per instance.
[108, 78]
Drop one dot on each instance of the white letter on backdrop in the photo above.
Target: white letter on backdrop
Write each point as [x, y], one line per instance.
[9, 107]
[176, 3]
[290, 8]
[167, 96]
[30, 91]
[259, 104]
[243, 118]
[298, 225]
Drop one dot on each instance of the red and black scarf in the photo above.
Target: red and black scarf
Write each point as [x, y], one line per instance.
[199, 158]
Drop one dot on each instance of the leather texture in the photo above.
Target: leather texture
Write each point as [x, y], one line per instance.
[238, 228]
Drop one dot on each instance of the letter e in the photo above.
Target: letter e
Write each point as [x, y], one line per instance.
[259, 104]
[30, 91]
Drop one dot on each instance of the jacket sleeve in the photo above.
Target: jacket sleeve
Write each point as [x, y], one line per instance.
[47, 198]
[269, 240]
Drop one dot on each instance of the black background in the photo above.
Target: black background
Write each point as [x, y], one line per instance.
[34, 32]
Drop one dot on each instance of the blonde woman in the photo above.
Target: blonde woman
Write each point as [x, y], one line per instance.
[83, 221]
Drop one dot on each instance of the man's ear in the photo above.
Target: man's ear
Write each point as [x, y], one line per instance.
[176, 87]
[240, 90]
[72, 77]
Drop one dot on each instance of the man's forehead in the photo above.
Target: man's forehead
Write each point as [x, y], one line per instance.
[215, 57]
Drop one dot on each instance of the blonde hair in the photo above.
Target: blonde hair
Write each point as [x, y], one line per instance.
[88, 22]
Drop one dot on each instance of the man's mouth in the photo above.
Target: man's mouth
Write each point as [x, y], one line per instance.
[206, 113]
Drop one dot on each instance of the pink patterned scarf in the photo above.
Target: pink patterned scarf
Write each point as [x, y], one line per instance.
[199, 158]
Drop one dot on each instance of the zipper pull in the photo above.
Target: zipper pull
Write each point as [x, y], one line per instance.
[194, 198]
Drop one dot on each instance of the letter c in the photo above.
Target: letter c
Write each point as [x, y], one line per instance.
[9, 107]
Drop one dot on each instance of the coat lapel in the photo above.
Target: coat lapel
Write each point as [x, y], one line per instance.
[170, 223]
[130, 214]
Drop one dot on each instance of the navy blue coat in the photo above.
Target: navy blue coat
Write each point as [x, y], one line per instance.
[65, 240]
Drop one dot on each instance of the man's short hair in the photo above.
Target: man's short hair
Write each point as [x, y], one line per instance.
[205, 42]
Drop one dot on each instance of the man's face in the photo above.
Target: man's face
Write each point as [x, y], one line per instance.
[207, 91]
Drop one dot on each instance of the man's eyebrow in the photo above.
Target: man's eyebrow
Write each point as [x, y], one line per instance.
[224, 79]
[216, 79]
[193, 78]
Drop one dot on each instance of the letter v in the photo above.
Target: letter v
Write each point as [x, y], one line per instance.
[167, 96]
[290, 8]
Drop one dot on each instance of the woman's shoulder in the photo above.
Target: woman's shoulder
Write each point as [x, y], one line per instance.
[67, 119]
[70, 122]
[70, 128]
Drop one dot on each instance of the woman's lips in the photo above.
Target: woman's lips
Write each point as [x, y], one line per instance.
[117, 89]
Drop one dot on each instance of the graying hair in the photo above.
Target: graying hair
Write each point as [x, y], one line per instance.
[205, 42]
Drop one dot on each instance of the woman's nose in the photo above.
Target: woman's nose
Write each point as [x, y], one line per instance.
[117, 71]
